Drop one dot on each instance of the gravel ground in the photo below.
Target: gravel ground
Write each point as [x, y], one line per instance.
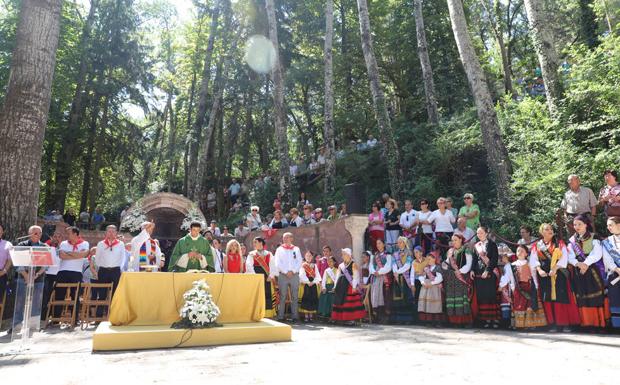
[372, 354]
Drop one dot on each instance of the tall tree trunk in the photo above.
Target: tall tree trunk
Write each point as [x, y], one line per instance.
[542, 36]
[205, 146]
[24, 114]
[70, 138]
[247, 133]
[96, 186]
[494, 20]
[346, 133]
[89, 154]
[232, 134]
[148, 168]
[425, 63]
[328, 127]
[195, 135]
[280, 110]
[497, 156]
[588, 23]
[381, 113]
[172, 144]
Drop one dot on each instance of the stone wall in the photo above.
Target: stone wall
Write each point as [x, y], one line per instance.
[346, 232]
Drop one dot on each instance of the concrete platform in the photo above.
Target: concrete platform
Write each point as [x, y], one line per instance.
[109, 338]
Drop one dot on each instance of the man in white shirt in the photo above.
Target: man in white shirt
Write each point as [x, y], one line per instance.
[214, 229]
[218, 255]
[409, 220]
[288, 263]
[145, 251]
[234, 190]
[241, 231]
[72, 253]
[109, 257]
[466, 232]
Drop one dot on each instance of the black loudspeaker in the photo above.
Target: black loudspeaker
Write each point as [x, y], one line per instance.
[354, 194]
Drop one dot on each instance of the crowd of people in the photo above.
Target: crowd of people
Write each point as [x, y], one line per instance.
[441, 267]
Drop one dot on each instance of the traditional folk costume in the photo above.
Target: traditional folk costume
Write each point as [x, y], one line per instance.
[589, 288]
[380, 286]
[506, 288]
[417, 271]
[321, 262]
[611, 258]
[485, 307]
[263, 262]
[347, 300]
[180, 261]
[402, 295]
[527, 309]
[430, 308]
[309, 294]
[458, 286]
[555, 292]
[326, 300]
[146, 254]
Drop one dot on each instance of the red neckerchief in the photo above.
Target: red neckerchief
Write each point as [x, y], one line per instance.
[288, 247]
[110, 245]
[76, 244]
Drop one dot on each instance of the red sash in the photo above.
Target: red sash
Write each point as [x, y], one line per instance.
[262, 261]
[309, 269]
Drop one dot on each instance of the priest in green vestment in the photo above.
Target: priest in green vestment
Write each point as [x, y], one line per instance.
[192, 252]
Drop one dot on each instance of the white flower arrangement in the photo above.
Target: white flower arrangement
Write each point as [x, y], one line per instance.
[133, 219]
[199, 310]
[193, 215]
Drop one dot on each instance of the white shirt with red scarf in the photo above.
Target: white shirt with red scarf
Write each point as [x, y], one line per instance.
[73, 264]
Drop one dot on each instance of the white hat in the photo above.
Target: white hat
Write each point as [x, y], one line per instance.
[346, 251]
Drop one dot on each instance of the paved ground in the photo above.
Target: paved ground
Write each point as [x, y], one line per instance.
[328, 354]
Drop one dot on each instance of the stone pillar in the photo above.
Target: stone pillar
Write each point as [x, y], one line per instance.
[356, 225]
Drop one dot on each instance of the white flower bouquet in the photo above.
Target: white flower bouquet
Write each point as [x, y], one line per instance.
[199, 310]
[133, 219]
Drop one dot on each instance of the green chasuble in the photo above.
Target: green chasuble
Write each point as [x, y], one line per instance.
[179, 261]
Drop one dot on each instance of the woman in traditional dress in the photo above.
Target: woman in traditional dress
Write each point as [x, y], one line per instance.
[587, 256]
[402, 295]
[233, 259]
[485, 274]
[611, 257]
[380, 288]
[549, 259]
[457, 282]
[527, 309]
[328, 281]
[309, 287]
[430, 307]
[261, 261]
[347, 300]
[417, 270]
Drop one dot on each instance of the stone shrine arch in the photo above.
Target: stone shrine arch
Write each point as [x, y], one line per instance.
[168, 211]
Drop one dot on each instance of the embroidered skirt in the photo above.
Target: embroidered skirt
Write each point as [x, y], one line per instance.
[402, 301]
[308, 299]
[351, 309]
[326, 301]
[458, 307]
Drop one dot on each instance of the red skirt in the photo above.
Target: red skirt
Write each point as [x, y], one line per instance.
[562, 314]
[352, 309]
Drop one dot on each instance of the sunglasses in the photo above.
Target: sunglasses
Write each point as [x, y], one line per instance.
[467, 199]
